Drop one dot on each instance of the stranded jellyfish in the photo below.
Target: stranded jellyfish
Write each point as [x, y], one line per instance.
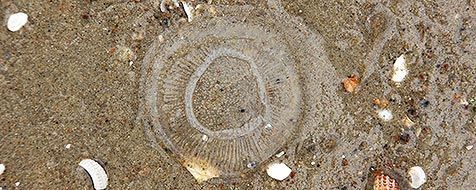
[225, 92]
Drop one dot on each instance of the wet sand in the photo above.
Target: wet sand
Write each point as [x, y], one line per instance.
[72, 74]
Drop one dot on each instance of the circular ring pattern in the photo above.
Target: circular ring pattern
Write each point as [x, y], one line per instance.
[227, 91]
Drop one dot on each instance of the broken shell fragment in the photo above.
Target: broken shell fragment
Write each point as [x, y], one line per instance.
[381, 103]
[407, 122]
[165, 3]
[384, 182]
[278, 171]
[469, 147]
[96, 172]
[2, 168]
[399, 69]
[418, 177]
[351, 83]
[201, 170]
[188, 11]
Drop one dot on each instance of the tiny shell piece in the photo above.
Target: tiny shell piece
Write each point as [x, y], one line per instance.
[384, 182]
[278, 171]
[351, 83]
[2, 168]
[17, 21]
[163, 4]
[280, 154]
[188, 11]
[418, 177]
[399, 69]
[385, 115]
[381, 103]
[201, 170]
[96, 172]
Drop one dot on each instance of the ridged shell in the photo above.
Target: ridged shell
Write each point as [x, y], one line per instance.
[385, 182]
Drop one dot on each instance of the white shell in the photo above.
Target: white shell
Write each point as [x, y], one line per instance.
[385, 115]
[96, 172]
[399, 69]
[16, 21]
[2, 168]
[418, 177]
[278, 171]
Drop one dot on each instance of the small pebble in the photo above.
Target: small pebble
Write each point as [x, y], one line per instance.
[418, 177]
[268, 126]
[2, 168]
[204, 138]
[469, 147]
[17, 183]
[68, 146]
[385, 115]
[17, 21]
[278, 171]
[251, 165]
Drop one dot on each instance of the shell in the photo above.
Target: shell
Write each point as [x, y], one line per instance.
[16, 21]
[400, 70]
[417, 177]
[96, 172]
[2, 168]
[278, 171]
[188, 11]
[385, 182]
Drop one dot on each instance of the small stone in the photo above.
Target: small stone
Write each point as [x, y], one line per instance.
[161, 38]
[17, 21]
[385, 115]
[469, 147]
[268, 126]
[204, 138]
[251, 165]
[278, 171]
[313, 163]
[68, 146]
[424, 103]
[17, 183]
